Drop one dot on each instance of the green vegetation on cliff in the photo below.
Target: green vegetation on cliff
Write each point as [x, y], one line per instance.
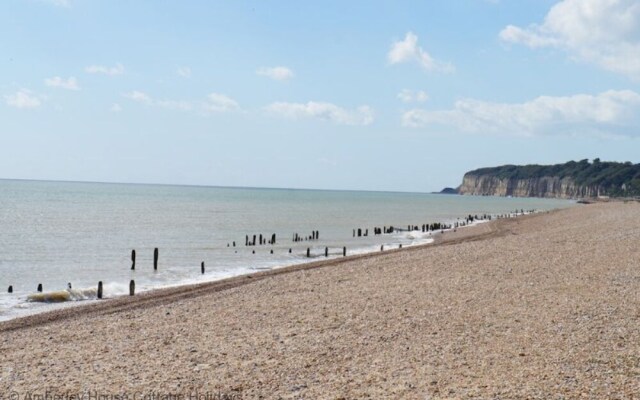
[611, 178]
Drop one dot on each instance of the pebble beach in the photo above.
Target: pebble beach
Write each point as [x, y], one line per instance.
[544, 306]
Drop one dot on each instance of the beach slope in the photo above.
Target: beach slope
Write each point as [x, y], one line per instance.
[542, 306]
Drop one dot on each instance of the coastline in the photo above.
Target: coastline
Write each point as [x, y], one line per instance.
[179, 292]
[538, 306]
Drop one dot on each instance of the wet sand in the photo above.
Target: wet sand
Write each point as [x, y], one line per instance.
[542, 306]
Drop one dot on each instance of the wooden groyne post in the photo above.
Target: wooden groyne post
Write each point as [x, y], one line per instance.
[10, 289]
[326, 252]
[344, 251]
[39, 287]
[308, 252]
[100, 290]
[202, 267]
[132, 288]
[133, 259]
[155, 259]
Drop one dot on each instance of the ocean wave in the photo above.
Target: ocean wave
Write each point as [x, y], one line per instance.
[64, 295]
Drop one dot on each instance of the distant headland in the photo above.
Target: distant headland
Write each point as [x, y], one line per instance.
[571, 180]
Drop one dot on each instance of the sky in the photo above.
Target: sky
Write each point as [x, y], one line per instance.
[357, 95]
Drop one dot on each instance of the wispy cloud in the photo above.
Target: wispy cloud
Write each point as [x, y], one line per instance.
[220, 103]
[600, 32]
[115, 108]
[362, 115]
[184, 72]
[117, 69]
[407, 50]
[276, 73]
[57, 82]
[214, 103]
[413, 96]
[143, 98]
[23, 98]
[608, 113]
[139, 97]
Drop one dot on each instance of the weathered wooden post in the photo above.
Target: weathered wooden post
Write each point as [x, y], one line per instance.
[132, 287]
[261, 239]
[271, 251]
[10, 289]
[100, 290]
[359, 232]
[39, 287]
[308, 252]
[400, 245]
[133, 259]
[69, 285]
[254, 240]
[155, 259]
[234, 243]
[289, 251]
[317, 235]
[246, 240]
[326, 252]
[202, 267]
[273, 239]
[344, 251]
[381, 247]
[354, 233]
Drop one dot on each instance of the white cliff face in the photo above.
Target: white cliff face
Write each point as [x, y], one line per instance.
[546, 186]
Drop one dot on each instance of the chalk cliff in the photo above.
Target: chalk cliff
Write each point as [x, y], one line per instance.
[545, 186]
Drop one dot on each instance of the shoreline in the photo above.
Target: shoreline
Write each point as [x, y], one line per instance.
[540, 306]
[172, 293]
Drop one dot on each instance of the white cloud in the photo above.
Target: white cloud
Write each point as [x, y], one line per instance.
[601, 32]
[57, 82]
[407, 50]
[276, 73]
[215, 102]
[410, 96]
[116, 108]
[220, 103]
[23, 98]
[143, 98]
[362, 115]
[184, 72]
[139, 97]
[607, 113]
[118, 69]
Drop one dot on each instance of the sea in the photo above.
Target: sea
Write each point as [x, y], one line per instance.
[57, 234]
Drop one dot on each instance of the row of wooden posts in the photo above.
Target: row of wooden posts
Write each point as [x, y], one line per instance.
[315, 235]
[261, 240]
[437, 226]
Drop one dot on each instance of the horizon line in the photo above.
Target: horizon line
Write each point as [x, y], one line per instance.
[213, 186]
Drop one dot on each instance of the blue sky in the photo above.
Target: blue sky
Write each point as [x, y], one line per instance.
[372, 95]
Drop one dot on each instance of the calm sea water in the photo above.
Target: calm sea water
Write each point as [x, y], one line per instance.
[57, 233]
